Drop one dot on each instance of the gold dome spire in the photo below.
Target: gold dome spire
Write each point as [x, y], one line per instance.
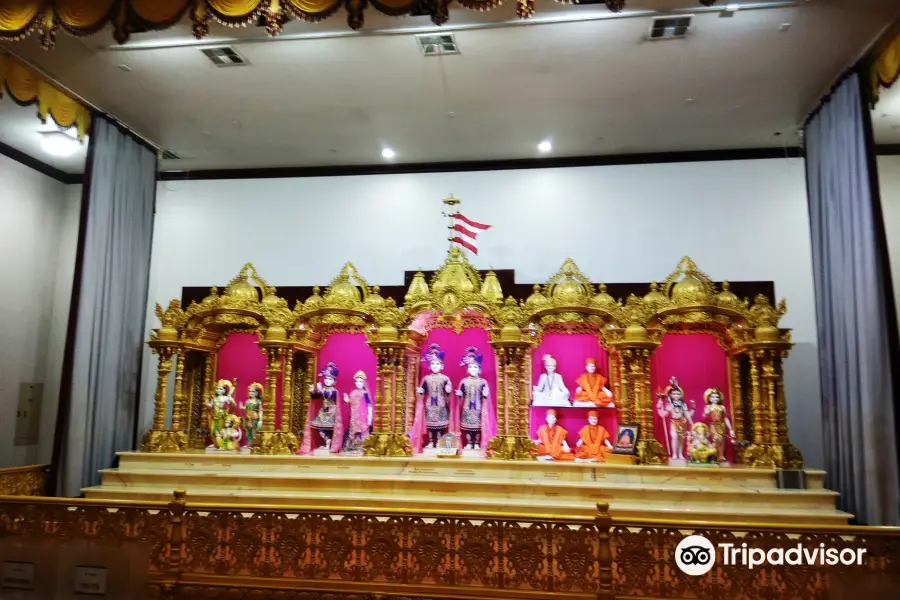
[418, 288]
[536, 298]
[603, 299]
[491, 289]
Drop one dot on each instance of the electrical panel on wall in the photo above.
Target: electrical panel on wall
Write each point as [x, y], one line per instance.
[28, 414]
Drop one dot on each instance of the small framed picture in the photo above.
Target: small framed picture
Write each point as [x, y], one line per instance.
[448, 446]
[626, 438]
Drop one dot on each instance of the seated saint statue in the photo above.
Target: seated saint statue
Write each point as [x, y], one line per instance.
[551, 442]
[592, 386]
[550, 390]
[700, 447]
[593, 440]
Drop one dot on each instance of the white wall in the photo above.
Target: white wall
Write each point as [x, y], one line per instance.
[889, 180]
[38, 235]
[741, 220]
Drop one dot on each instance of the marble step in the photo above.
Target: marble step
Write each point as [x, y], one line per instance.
[676, 494]
[732, 512]
[462, 469]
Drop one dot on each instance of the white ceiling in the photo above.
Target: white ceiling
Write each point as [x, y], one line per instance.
[590, 86]
[886, 116]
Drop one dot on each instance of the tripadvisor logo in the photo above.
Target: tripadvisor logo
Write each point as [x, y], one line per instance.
[695, 555]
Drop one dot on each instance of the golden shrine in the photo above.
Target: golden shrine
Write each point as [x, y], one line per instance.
[458, 299]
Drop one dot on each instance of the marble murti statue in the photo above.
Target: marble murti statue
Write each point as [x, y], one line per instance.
[551, 440]
[593, 441]
[252, 411]
[700, 447]
[328, 421]
[218, 409]
[717, 419]
[678, 417]
[228, 438]
[473, 392]
[550, 390]
[592, 386]
[360, 413]
[436, 408]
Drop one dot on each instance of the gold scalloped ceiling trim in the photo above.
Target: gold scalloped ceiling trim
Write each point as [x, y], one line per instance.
[27, 87]
[159, 12]
[886, 69]
[18, 18]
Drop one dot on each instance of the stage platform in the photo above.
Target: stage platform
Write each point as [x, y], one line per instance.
[536, 489]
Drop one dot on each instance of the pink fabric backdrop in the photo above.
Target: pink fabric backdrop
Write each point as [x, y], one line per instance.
[570, 352]
[241, 357]
[454, 345]
[698, 362]
[351, 353]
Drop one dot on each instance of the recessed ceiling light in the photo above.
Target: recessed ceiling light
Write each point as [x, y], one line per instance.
[733, 7]
[784, 27]
[59, 143]
[388, 153]
[125, 68]
[545, 147]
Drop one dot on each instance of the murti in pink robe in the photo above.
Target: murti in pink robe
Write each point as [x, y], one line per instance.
[360, 403]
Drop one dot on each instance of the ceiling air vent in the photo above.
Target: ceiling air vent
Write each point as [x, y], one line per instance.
[225, 56]
[438, 45]
[169, 155]
[669, 28]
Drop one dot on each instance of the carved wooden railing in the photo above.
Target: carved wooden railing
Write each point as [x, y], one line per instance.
[644, 562]
[198, 551]
[23, 481]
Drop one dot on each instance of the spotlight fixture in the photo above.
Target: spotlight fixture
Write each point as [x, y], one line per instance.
[59, 143]
[545, 147]
[388, 153]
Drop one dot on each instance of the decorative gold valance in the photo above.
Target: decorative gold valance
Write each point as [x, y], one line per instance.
[25, 86]
[84, 17]
[886, 69]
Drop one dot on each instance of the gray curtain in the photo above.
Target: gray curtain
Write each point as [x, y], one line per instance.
[110, 321]
[851, 310]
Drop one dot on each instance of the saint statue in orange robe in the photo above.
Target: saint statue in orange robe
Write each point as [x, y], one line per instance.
[551, 442]
[592, 386]
[593, 442]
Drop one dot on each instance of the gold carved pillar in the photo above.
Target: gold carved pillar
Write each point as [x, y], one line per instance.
[388, 437]
[633, 347]
[512, 441]
[179, 408]
[770, 448]
[159, 439]
[737, 396]
[287, 393]
[270, 440]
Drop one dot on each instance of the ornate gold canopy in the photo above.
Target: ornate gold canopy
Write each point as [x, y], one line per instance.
[456, 287]
[631, 330]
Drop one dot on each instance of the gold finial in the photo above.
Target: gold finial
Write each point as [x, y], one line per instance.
[491, 289]
[451, 200]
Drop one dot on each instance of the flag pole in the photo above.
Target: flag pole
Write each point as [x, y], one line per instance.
[451, 202]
